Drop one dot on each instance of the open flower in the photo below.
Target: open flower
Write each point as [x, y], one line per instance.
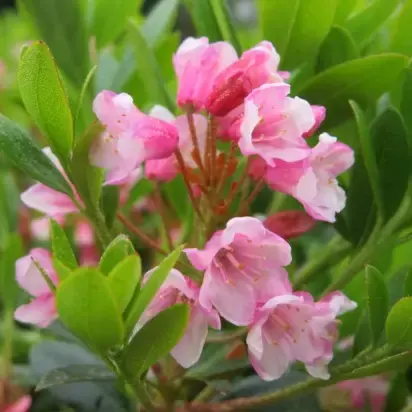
[292, 327]
[180, 289]
[243, 266]
[41, 311]
[131, 137]
[167, 168]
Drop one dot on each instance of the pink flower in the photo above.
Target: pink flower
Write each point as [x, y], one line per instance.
[319, 112]
[41, 311]
[166, 169]
[255, 67]
[21, 405]
[197, 63]
[47, 200]
[180, 289]
[292, 327]
[367, 393]
[130, 137]
[244, 266]
[273, 124]
[289, 223]
[313, 180]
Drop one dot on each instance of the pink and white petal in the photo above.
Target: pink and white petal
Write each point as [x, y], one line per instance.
[163, 170]
[318, 370]
[162, 113]
[41, 311]
[339, 303]
[21, 405]
[104, 153]
[306, 189]
[250, 121]
[250, 227]
[201, 259]
[84, 234]
[301, 111]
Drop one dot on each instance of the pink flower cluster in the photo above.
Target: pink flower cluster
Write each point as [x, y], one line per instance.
[246, 283]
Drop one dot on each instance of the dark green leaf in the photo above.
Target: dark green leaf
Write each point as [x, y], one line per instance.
[389, 140]
[365, 24]
[110, 203]
[338, 47]
[74, 373]
[150, 288]
[45, 99]
[360, 80]
[154, 340]
[399, 324]
[396, 398]
[87, 307]
[62, 249]
[377, 296]
[26, 155]
[119, 248]
[8, 284]
[62, 27]
[408, 284]
[124, 279]
[177, 195]
[363, 334]
[406, 103]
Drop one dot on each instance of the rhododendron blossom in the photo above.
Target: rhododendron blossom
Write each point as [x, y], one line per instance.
[41, 311]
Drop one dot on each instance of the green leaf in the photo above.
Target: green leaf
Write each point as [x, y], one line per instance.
[63, 272]
[154, 340]
[362, 334]
[110, 203]
[401, 41]
[74, 373]
[62, 27]
[378, 305]
[141, 189]
[338, 47]
[361, 80]
[148, 69]
[84, 96]
[366, 23]
[87, 307]
[109, 20]
[124, 279]
[87, 178]
[45, 99]
[297, 27]
[177, 195]
[119, 248]
[150, 289]
[398, 393]
[390, 146]
[408, 284]
[406, 102]
[204, 19]
[8, 285]
[61, 247]
[399, 324]
[26, 155]
[343, 10]
[159, 20]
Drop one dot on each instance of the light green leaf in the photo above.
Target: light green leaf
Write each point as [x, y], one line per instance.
[87, 307]
[365, 24]
[124, 279]
[378, 306]
[63, 272]
[109, 20]
[390, 146]
[362, 80]
[150, 289]
[154, 340]
[338, 47]
[399, 324]
[343, 10]
[61, 247]
[45, 99]
[26, 155]
[119, 248]
[62, 27]
[401, 41]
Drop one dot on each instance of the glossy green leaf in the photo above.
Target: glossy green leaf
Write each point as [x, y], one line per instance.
[150, 289]
[88, 308]
[204, 19]
[119, 248]
[377, 298]
[74, 373]
[110, 203]
[399, 324]
[361, 80]
[338, 47]
[8, 285]
[159, 20]
[154, 340]
[109, 20]
[148, 69]
[62, 249]
[45, 99]
[365, 24]
[27, 156]
[87, 178]
[124, 279]
[390, 146]
[61, 25]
